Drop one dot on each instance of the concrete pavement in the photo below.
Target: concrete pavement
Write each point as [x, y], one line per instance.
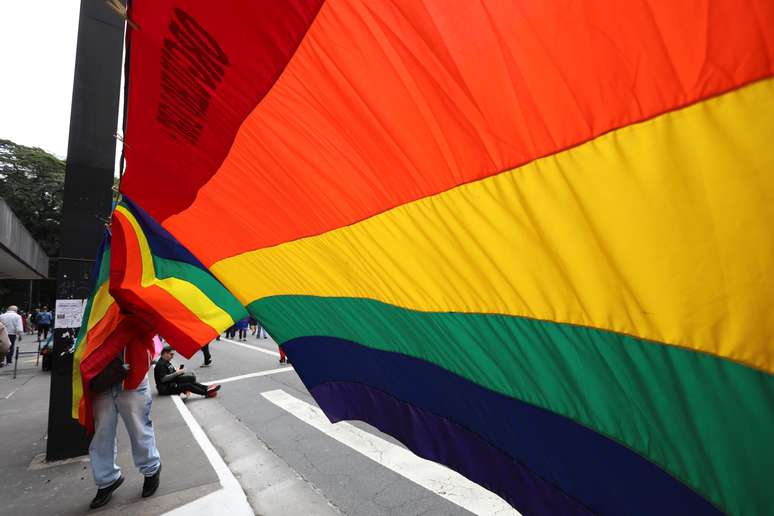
[30, 487]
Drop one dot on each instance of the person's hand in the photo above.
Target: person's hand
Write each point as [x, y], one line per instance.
[179, 372]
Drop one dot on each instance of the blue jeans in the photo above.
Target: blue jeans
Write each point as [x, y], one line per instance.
[134, 407]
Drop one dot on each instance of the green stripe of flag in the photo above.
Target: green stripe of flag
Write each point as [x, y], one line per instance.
[691, 413]
[204, 281]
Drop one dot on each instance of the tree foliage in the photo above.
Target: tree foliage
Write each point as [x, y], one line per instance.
[32, 183]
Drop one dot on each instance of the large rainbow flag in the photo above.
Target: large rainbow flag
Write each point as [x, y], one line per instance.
[531, 240]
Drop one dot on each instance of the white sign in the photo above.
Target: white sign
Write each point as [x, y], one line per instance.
[69, 313]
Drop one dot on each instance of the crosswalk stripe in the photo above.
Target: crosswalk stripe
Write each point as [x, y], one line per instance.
[250, 375]
[432, 476]
[231, 498]
[248, 346]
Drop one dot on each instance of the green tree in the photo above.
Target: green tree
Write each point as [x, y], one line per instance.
[32, 183]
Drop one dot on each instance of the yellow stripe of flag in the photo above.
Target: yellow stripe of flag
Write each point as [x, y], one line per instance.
[662, 230]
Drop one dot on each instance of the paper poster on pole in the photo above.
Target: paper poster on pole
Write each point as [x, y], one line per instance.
[69, 313]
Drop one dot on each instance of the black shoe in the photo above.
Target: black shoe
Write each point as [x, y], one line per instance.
[151, 483]
[104, 494]
[207, 364]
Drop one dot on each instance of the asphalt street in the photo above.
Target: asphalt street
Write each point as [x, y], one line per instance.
[348, 479]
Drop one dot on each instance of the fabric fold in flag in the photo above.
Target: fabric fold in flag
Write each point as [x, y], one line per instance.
[156, 279]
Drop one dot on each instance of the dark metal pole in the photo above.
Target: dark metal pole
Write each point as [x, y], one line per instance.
[87, 197]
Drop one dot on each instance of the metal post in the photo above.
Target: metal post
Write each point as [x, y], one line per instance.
[87, 198]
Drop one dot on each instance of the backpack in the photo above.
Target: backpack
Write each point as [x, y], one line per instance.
[114, 373]
[5, 342]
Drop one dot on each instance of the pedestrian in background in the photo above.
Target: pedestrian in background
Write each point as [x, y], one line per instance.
[5, 343]
[30, 323]
[283, 356]
[242, 327]
[34, 319]
[13, 324]
[207, 356]
[253, 325]
[24, 321]
[44, 320]
[261, 332]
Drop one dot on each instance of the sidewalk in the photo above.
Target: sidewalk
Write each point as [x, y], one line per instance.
[30, 487]
[212, 463]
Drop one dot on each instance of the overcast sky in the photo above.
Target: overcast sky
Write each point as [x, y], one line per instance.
[37, 59]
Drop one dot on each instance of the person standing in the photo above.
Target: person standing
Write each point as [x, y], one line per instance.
[13, 324]
[5, 344]
[207, 356]
[253, 325]
[110, 400]
[261, 334]
[242, 327]
[30, 323]
[25, 326]
[32, 318]
[44, 320]
[283, 356]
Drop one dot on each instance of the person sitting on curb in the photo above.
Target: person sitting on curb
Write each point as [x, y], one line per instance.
[170, 380]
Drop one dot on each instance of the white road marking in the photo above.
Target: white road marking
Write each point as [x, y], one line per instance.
[432, 476]
[231, 499]
[250, 375]
[11, 394]
[254, 348]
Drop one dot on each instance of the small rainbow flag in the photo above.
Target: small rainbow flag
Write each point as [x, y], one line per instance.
[107, 332]
[153, 277]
